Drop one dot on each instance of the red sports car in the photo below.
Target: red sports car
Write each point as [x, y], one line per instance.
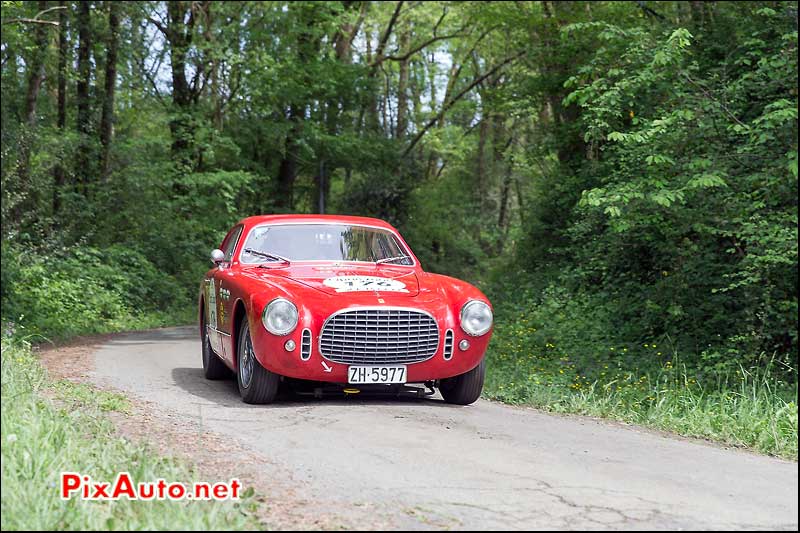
[340, 300]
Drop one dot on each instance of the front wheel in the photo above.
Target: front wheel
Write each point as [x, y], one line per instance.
[256, 383]
[466, 388]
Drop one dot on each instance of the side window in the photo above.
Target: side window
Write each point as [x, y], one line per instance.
[230, 242]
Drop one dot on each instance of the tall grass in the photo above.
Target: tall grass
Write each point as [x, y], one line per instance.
[753, 409]
[41, 438]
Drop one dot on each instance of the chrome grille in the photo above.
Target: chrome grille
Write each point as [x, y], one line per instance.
[379, 336]
[305, 345]
[448, 344]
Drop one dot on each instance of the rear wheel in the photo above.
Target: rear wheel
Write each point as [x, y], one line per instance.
[256, 383]
[466, 388]
[213, 367]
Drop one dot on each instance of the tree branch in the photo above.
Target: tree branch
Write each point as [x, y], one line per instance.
[386, 35]
[433, 39]
[30, 21]
[148, 74]
[447, 105]
[713, 99]
[37, 19]
[651, 12]
[419, 47]
[441, 19]
[159, 25]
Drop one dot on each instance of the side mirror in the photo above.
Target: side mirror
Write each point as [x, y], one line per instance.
[217, 256]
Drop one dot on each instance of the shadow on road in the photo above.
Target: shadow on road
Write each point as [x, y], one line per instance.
[223, 392]
[226, 393]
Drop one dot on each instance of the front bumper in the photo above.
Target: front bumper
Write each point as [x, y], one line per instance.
[271, 353]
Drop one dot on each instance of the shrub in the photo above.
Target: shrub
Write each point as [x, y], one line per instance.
[88, 290]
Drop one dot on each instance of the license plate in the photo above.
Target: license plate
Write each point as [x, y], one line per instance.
[376, 374]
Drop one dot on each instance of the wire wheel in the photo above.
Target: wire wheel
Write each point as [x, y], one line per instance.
[256, 383]
[246, 361]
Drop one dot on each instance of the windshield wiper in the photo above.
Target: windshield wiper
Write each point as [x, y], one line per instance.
[274, 257]
[392, 259]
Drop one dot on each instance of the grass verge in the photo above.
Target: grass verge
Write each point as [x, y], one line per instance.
[752, 409]
[49, 427]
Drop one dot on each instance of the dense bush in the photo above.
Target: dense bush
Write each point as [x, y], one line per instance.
[678, 219]
[569, 351]
[88, 290]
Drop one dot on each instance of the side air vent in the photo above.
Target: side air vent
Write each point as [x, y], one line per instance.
[305, 345]
[448, 345]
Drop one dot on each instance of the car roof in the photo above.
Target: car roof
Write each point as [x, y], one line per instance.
[323, 219]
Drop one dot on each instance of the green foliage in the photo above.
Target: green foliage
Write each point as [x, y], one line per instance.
[88, 290]
[51, 428]
[688, 226]
[555, 355]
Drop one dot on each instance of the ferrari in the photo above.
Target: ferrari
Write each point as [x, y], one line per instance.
[340, 301]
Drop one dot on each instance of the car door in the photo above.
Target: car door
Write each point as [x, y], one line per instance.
[223, 277]
[217, 297]
[212, 319]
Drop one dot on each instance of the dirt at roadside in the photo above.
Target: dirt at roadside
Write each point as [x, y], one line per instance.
[71, 360]
[213, 457]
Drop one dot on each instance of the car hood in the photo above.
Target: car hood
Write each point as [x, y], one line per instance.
[343, 279]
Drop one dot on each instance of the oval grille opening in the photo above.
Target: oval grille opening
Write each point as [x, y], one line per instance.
[379, 336]
[448, 345]
[305, 345]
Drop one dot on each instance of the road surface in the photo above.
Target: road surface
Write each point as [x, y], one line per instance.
[424, 464]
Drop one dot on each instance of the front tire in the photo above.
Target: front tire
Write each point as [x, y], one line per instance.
[466, 388]
[256, 384]
[213, 367]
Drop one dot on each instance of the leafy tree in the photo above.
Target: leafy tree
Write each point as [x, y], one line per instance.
[627, 170]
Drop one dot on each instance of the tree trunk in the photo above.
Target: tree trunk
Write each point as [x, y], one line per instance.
[385, 110]
[214, 85]
[417, 82]
[698, 14]
[347, 33]
[59, 177]
[480, 173]
[452, 78]
[84, 123]
[288, 168]
[179, 35]
[307, 48]
[502, 219]
[342, 44]
[432, 68]
[402, 86]
[35, 77]
[107, 120]
[36, 72]
[323, 187]
[572, 149]
[372, 104]
[505, 191]
[520, 201]
[502, 140]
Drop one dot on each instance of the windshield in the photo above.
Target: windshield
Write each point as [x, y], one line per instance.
[324, 242]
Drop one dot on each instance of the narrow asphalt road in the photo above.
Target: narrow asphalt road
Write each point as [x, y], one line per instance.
[422, 464]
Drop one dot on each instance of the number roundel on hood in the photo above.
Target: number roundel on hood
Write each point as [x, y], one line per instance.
[364, 283]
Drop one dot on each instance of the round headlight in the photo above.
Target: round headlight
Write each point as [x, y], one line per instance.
[280, 316]
[476, 318]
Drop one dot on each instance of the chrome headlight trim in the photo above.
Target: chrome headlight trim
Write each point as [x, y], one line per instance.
[476, 318]
[277, 324]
